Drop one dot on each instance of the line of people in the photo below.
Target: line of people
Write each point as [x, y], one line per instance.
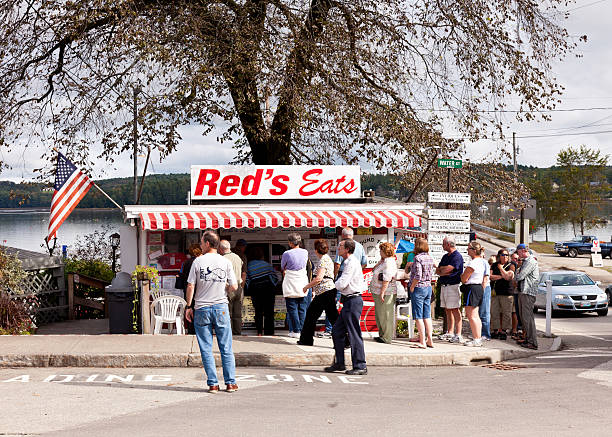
[498, 294]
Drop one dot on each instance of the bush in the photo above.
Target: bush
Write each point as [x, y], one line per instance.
[14, 317]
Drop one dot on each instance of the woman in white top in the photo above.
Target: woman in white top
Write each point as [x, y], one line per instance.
[383, 291]
[474, 278]
[324, 292]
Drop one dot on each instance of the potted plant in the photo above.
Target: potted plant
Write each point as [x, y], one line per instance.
[145, 273]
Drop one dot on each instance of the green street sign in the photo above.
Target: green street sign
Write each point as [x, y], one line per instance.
[450, 163]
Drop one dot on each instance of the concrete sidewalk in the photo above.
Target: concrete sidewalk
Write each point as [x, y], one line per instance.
[107, 350]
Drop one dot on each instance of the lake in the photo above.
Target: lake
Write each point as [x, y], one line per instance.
[26, 228]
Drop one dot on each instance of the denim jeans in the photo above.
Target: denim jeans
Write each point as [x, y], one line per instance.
[296, 312]
[204, 320]
[484, 312]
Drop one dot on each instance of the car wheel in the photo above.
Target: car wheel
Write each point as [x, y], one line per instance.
[603, 312]
[609, 293]
[573, 253]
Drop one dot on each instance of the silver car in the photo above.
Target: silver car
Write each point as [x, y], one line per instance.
[571, 291]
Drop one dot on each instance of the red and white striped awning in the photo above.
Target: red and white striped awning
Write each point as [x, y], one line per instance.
[395, 218]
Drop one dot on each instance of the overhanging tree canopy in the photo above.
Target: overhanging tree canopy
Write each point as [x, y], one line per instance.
[296, 81]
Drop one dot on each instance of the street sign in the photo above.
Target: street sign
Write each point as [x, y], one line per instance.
[435, 249]
[448, 226]
[448, 197]
[450, 163]
[448, 214]
[438, 257]
[433, 238]
[596, 247]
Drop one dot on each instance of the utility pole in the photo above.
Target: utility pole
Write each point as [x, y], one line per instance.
[522, 220]
[135, 141]
[514, 151]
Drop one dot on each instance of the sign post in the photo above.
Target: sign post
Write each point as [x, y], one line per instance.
[596, 258]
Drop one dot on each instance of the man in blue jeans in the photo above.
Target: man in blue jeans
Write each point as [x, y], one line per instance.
[211, 276]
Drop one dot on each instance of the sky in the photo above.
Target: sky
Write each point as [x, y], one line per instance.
[576, 120]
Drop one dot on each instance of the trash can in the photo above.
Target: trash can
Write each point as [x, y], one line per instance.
[120, 300]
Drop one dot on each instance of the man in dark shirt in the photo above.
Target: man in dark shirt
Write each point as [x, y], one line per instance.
[449, 270]
[502, 273]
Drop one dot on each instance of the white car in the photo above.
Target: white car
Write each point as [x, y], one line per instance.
[571, 291]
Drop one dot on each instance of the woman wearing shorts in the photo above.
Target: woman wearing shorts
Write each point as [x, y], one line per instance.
[474, 278]
[420, 291]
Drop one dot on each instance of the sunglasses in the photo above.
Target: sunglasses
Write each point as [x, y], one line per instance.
[504, 254]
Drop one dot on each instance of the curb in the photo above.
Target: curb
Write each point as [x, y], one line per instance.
[250, 359]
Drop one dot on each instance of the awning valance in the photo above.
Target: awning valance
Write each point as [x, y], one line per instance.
[237, 218]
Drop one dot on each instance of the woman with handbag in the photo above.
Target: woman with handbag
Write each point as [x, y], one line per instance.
[474, 279]
[293, 266]
[324, 292]
[383, 291]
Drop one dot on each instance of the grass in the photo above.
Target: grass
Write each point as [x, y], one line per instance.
[542, 246]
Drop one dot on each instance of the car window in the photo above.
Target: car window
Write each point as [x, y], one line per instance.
[561, 280]
[578, 239]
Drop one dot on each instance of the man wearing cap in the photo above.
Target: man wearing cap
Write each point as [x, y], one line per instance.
[527, 280]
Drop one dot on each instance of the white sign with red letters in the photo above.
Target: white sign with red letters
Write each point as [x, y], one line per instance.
[275, 182]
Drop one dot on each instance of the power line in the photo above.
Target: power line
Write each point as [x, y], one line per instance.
[584, 6]
[516, 111]
[566, 134]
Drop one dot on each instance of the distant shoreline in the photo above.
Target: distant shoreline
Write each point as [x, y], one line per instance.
[39, 209]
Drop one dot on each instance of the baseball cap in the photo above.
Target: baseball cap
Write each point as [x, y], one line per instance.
[241, 242]
[522, 246]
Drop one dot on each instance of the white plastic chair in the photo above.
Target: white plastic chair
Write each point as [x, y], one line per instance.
[402, 314]
[158, 292]
[168, 309]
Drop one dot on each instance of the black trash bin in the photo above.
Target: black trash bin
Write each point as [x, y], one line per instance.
[120, 298]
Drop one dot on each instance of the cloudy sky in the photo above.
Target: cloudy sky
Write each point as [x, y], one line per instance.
[577, 120]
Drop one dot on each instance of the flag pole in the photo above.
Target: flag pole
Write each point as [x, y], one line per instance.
[107, 196]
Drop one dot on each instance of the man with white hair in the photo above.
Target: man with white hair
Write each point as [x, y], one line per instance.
[347, 234]
[234, 297]
[449, 270]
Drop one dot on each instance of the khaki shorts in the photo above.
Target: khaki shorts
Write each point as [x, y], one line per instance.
[450, 296]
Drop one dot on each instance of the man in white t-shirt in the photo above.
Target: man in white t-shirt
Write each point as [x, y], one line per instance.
[212, 276]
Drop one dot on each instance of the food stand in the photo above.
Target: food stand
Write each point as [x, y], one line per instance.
[262, 205]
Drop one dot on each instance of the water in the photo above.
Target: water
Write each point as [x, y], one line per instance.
[564, 232]
[26, 228]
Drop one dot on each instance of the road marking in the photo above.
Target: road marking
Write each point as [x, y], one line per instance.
[136, 378]
[602, 374]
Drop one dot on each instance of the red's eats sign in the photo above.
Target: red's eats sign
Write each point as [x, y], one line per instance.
[275, 182]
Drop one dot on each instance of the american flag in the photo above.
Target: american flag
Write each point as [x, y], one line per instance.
[70, 187]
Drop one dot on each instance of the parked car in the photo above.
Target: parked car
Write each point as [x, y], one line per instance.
[581, 244]
[571, 291]
[609, 293]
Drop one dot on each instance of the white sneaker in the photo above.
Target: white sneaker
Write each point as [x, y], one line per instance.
[294, 334]
[474, 343]
[446, 336]
[457, 339]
